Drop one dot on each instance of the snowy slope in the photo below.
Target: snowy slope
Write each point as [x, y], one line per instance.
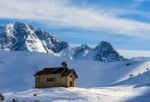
[143, 79]
[17, 69]
[111, 94]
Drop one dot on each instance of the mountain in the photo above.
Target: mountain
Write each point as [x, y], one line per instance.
[81, 52]
[22, 37]
[102, 52]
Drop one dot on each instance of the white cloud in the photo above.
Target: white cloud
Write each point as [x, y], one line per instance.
[141, 0]
[66, 15]
[134, 53]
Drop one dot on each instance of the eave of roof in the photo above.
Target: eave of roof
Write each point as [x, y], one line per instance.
[69, 71]
[57, 70]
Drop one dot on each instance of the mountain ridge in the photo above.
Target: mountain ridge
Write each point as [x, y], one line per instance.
[18, 36]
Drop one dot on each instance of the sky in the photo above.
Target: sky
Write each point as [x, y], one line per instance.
[123, 23]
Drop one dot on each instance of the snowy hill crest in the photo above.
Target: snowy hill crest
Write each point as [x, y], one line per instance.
[21, 37]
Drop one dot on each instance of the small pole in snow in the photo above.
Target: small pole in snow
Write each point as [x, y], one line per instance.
[147, 69]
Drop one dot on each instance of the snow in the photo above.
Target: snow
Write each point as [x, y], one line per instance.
[139, 80]
[98, 82]
[25, 64]
[103, 94]
[33, 43]
[9, 29]
[18, 36]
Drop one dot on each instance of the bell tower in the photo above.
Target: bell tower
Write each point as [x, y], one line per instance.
[64, 65]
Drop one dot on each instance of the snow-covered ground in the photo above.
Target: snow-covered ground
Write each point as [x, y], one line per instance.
[111, 94]
[98, 82]
[137, 81]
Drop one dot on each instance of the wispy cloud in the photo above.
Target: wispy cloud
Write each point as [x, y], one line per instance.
[134, 53]
[66, 15]
[142, 0]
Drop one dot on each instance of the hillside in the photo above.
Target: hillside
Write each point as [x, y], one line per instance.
[142, 79]
[19, 68]
[111, 94]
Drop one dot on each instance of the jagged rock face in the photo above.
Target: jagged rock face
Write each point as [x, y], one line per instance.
[105, 52]
[6, 39]
[81, 52]
[21, 33]
[21, 37]
[51, 42]
[102, 52]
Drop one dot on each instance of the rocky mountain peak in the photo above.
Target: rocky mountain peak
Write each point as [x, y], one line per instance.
[104, 51]
[18, 36]
[104, 45]
[85, 46]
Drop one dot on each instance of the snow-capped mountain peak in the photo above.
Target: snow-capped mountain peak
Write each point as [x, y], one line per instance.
[105, 52]
[81, 52]
[18, 36]
[102, 52]
[104, 45]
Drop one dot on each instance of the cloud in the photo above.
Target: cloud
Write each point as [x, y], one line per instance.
[142, 0]
[134, 53]
[63, 13]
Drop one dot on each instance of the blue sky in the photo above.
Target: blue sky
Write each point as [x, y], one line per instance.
[124, 23]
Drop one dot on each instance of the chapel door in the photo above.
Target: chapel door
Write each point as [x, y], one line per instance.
[71, 84]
